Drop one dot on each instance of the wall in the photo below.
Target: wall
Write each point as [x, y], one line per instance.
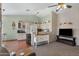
[70, 15]
[0, 24]
[7, 24]
[54, 27]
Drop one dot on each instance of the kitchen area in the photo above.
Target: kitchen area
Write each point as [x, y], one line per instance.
[32, 32]
[38, 33]
[45, 31]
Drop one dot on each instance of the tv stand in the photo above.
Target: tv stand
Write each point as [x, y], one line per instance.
[66, 39]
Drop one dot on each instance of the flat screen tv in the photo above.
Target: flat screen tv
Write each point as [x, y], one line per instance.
[65, 32]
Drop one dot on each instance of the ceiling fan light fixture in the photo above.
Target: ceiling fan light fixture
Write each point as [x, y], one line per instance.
[65, 6]
[58, 6]
[61, 6]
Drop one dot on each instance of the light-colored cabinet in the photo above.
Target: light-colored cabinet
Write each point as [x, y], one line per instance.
[21, 36]
[41, 38]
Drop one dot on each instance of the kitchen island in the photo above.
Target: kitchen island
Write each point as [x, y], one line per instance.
[41, 37]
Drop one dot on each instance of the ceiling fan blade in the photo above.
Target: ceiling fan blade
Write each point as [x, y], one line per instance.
[52, 6]
[68, 6]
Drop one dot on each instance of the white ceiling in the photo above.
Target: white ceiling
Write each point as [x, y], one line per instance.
[20, 8]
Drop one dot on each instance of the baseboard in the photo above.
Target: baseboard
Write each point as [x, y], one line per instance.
[52, 41]
[21, 39]
[9, 40]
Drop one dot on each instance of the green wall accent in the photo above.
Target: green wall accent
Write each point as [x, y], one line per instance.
[7, 24]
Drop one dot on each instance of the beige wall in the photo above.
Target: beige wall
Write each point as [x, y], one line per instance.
[0, 23]
[54, 27]
[70, 15]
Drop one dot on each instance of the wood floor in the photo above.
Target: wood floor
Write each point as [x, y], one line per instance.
[16, 45]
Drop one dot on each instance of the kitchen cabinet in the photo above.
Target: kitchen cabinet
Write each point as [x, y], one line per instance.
[41, 39]
[21, 36]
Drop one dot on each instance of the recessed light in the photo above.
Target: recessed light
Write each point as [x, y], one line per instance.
[2, 9]
[37, 13]
[27, 9]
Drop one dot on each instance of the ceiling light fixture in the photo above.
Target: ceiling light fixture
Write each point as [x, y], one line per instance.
[2, 9]
[27, 9]
[37, 13]
[61, 6]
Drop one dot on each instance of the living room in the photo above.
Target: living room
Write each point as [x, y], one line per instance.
[42, 24]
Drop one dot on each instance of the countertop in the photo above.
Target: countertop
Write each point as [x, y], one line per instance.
[42, 33]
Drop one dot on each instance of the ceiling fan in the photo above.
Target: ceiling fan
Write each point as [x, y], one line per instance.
[60, 6]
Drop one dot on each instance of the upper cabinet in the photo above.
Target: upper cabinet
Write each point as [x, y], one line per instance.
[21, 27]
[46, 22]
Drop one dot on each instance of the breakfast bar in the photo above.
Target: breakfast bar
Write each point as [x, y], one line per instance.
[42, 37]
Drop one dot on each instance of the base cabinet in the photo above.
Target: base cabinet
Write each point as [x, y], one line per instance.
[21, 36]
[41, 39]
